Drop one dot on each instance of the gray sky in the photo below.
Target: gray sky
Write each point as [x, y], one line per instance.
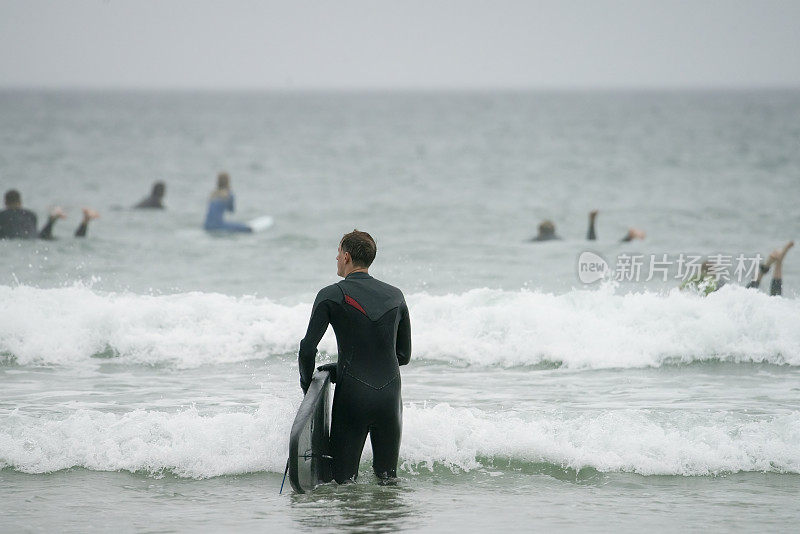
[403, 44]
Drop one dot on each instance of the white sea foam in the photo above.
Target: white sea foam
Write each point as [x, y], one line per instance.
[186, 443]
[600, 329]
[190, 444]
[579, 329]
[644, 442]
[68, 325]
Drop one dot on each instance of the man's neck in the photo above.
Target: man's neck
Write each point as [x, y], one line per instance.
[357, 270]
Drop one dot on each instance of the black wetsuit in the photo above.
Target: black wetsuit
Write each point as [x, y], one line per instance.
[19, 223]
[152, 201]
[545, 237]
[775, 287]
[373, 334]
[591, 234]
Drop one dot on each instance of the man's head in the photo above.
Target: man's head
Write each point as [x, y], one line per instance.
[159, 188]
[13, 199]
[356, 251]
[547, 228]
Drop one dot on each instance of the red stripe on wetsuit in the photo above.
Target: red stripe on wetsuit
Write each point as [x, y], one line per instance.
[352, 302]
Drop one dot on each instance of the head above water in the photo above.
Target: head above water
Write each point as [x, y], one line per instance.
[356, 252]
[547, 228]
[13, 199]
[223, 181]
[159, 188]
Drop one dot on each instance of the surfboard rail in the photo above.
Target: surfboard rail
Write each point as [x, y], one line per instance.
[309, 448]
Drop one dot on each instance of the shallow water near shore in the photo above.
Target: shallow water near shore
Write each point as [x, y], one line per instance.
[442, 502]
[149, 371]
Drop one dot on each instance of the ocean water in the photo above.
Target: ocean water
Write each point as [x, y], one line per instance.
[149, 371]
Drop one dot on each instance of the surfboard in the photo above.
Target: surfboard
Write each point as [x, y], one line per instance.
[261, 223]
[309, 449]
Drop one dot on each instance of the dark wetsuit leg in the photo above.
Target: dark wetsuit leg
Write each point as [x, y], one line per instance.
[47, 231]
[81, 231]
[754, 284]
[359, 409]
[776, 287]
[386, 431]
[349, 427]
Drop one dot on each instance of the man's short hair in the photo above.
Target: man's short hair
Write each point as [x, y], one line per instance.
[13, 197]
[361, 246]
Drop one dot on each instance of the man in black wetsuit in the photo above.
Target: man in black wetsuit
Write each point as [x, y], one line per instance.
[373, 334]
[18, 223]
[15, 221]
[155, 200]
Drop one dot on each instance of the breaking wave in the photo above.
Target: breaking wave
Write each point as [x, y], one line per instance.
[190, 444]
[483, 327]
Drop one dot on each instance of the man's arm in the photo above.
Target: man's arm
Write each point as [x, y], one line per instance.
[317, 325]
[403, 344]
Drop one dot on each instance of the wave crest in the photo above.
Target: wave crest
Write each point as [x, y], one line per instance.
[483, 327]
[190, 444]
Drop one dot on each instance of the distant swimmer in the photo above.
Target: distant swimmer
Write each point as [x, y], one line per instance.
[17, 222]
[776, 257]
[155, 200]
[705, 282]
[547, 231]
[373, 334]
[220, 202]
[633, 233]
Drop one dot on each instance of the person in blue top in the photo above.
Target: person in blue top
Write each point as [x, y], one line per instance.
[220, 202]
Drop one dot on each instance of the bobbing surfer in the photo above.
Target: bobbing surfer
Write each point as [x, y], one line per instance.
[156, 198]
[18, 223]
[373, 334]
[221, 201]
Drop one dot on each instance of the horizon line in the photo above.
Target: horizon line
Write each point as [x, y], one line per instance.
[399, 88]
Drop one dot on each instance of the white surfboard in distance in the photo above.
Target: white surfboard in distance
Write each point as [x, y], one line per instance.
[261, 223]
